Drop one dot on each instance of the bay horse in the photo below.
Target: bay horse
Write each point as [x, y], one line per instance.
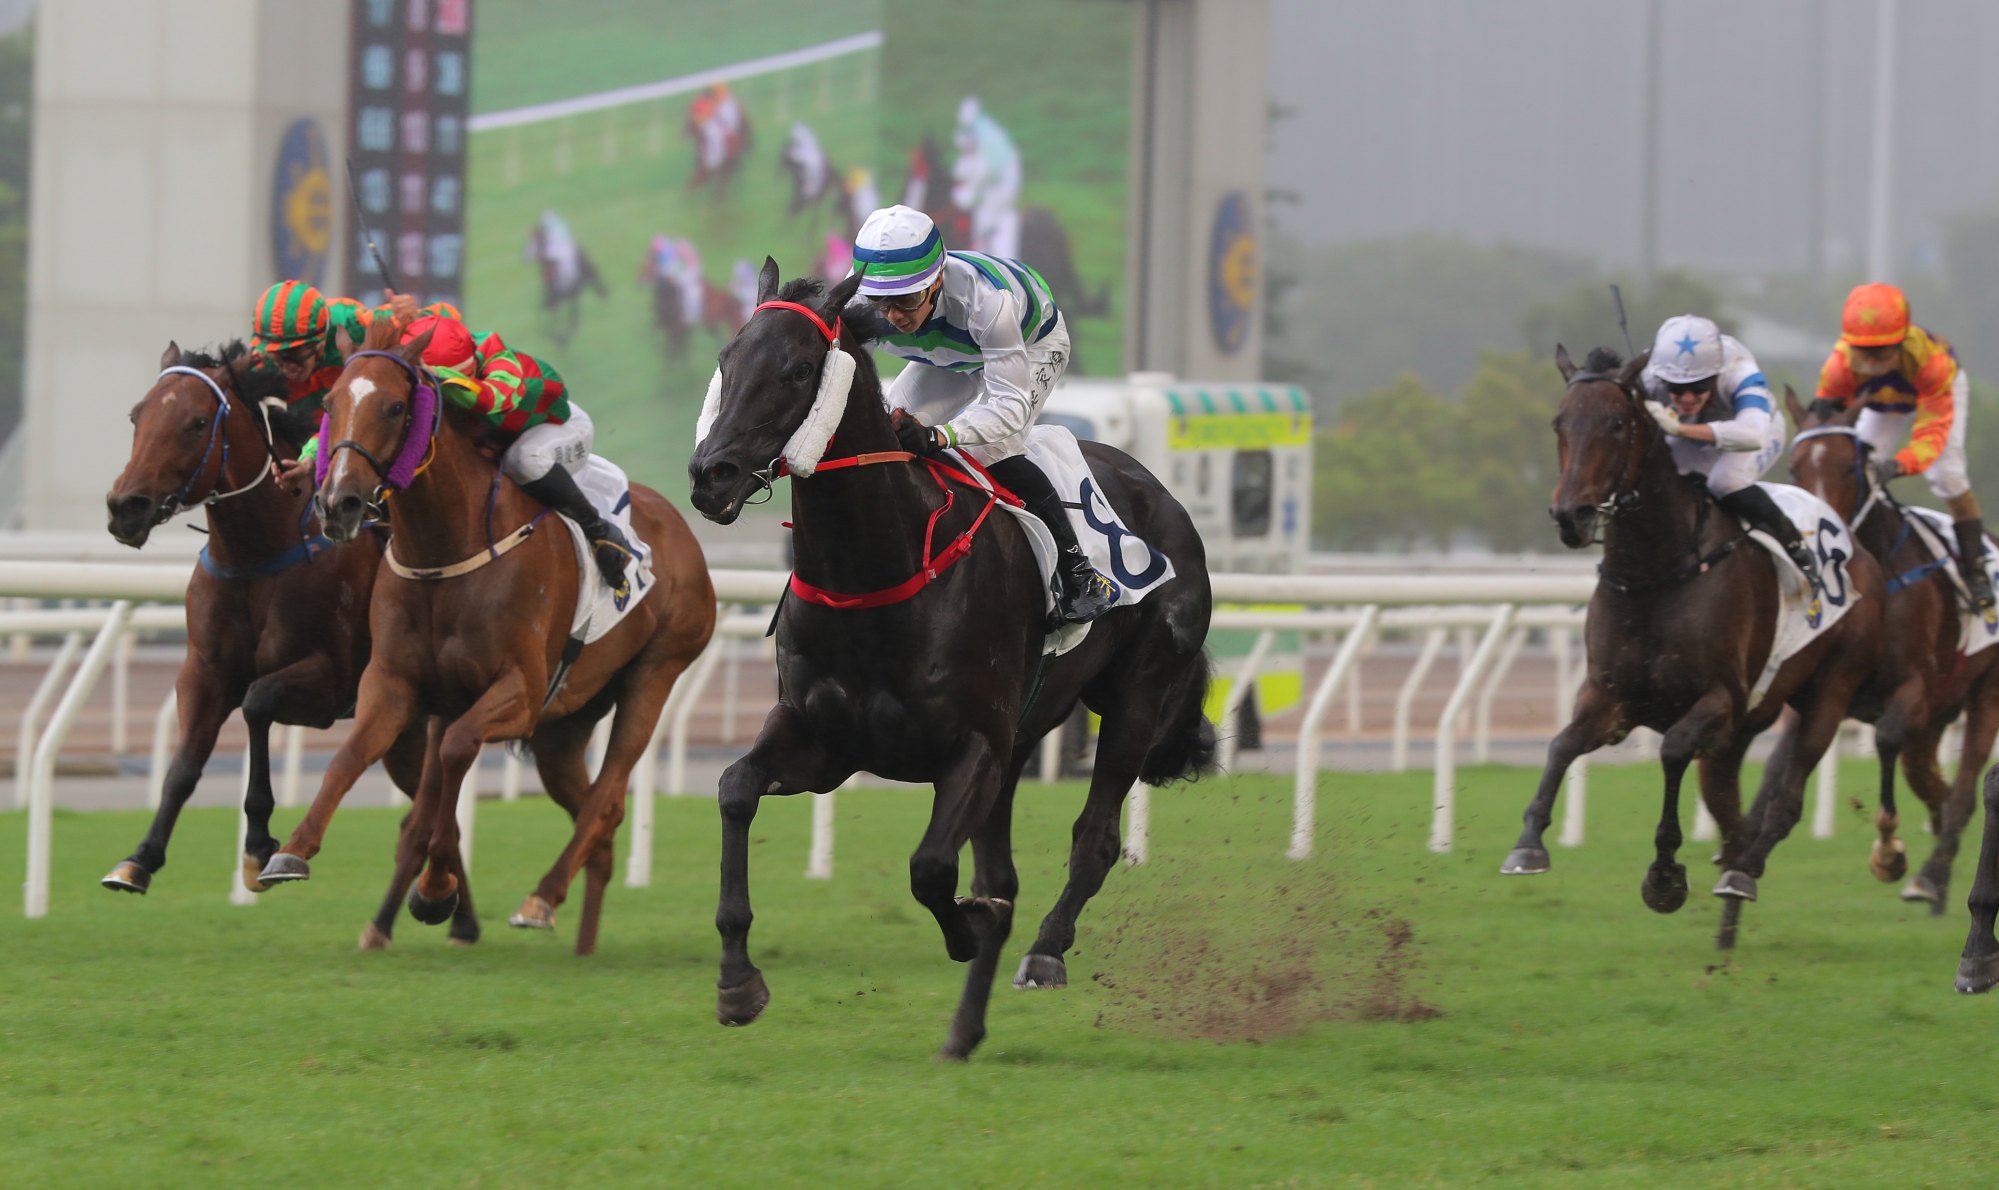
[275, 621]
[470, 631]
[721, 313]
[1679, 628]
[1928, 681]
[947, 686]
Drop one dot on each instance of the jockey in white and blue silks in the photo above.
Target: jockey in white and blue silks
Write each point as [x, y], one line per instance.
[1706, 392]
[986, 345]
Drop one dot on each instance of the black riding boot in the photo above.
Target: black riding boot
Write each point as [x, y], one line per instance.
[1086, 594]
[1971, 561]
[1754, 508]
[558, 490]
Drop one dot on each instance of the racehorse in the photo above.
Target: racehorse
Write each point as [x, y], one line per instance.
[1680, 627]
[566, 271]
[471, 629]
[721, 313]
[274, 621]
[1928, 681]
[948, 685]
[718, 160]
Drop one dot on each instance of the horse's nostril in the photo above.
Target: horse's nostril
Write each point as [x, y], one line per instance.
[132, 507]
[722, 472]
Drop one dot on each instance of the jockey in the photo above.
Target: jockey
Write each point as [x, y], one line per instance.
[295, 327]
[804, 154]
[1910, 381]
[987, 179]
[1706, 392]
[548, 436]
[985, 344]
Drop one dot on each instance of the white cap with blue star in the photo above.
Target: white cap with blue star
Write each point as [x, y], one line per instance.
[1687, 349]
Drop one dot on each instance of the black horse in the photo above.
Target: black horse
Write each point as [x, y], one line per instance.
[949, 686]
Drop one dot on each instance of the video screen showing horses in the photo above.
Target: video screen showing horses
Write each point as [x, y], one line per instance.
[619, 215]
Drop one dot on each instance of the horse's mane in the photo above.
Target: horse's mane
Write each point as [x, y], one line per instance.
[254, 379]
[1603, 359]
[859, 318]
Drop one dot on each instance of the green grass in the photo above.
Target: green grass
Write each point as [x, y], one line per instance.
[1582, 1040]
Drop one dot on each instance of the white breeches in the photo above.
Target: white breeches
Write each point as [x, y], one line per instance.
[1886, 432]
[541, 448]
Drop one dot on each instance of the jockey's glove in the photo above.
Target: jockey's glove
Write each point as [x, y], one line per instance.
[1886, 469]
[917, 438]
[1667, 417]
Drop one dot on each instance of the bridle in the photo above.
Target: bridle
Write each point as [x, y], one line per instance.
[1623, 495]
[405, 466]
[1876, 492]
[173, 505]
[766, 477]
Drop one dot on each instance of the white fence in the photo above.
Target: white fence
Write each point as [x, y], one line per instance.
[1500, 608]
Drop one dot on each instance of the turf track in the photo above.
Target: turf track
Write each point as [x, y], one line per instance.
[1581, 1041]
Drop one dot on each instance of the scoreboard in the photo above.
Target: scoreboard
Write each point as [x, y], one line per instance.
[408, 92]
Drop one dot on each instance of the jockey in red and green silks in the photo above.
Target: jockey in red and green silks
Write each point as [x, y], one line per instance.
[548, 436]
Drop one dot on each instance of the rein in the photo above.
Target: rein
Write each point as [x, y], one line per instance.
[1878, 494]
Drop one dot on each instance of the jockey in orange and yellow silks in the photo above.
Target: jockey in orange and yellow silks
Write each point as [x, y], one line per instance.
[1916, 398]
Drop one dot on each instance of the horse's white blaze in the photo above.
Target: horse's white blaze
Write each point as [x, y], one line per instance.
[361, 387]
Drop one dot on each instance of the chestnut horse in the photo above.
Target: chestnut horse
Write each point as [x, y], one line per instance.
[1679, 629]
[937, 676]
[274, 610]
[1928, 680]
[472, 631]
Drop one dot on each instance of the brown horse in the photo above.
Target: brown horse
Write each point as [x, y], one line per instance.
[274, 620]
[473, 632]
[1926, 680]
[1681, 625]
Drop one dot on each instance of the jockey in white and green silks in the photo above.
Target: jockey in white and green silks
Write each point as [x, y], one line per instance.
[986, 345]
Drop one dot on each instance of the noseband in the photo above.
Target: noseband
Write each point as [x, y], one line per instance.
[1876, 493]
[412, 452]
[173, 504]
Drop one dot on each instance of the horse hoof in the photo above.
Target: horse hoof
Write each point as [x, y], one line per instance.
[372, 938]
[1041, 971]
[1525, 861]
[283, 869]
[534, 914]
[1920, 888]
[1889, 864]
[743, 1003]
[1665, 887]
[433, 912]
[1739, 885]
[253, 869]
[959, 1049]
[1977, 976]
[128, 877]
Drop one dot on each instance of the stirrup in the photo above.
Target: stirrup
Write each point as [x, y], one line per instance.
[1096, 595]
[620, 585]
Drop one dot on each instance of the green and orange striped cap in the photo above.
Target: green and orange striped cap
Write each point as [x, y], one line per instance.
[289, 313]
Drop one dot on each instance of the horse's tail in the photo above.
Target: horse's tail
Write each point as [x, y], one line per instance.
[1184, 749]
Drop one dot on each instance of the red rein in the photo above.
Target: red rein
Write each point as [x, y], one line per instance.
[933, 564]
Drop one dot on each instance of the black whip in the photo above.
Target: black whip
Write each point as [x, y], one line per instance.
[381, 266]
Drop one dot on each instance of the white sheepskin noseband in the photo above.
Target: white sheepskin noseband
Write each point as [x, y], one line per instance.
[808, 443]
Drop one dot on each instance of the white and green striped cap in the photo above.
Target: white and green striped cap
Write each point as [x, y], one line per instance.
[899, 250]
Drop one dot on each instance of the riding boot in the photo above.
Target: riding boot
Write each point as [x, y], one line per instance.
[1086, 593]
[1754, 508]
[1971, 562]
[559, 492]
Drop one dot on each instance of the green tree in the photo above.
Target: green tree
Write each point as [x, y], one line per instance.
[1387, 473]
[1585, 317]
[1506, 451]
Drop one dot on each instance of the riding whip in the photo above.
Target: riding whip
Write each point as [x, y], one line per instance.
[1616, 301]
[381, 266]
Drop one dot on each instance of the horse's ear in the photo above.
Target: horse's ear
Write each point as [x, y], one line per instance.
[1563, 362]
[1628, 375]
[767, 281]
[843, 293]
[1796, 410]
[170, 358]
[343, 342]
[412, 351]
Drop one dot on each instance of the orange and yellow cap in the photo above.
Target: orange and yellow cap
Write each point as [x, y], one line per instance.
[1876, 315]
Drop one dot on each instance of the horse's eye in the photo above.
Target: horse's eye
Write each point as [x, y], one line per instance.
[396, 410]
[801, 373]
[1617, 424]
[197, 425]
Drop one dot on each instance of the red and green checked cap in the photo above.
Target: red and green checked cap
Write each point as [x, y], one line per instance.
[897, 251]
[289, 312]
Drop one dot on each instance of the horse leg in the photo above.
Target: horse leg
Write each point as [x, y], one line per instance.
[1921, 756]
[1978, 970]
[596, 878]
[505, 711]
[1665, 887]
[1781, 800]
[1894, 732]
[383, 710]
[1981, 722]
[1122, 743]
[404, 762]
[559, 749]
[646, 686]
[965, 794]
[295, 694]
[205, 702]
[785, 759]
[995, 884]
[1598, 720]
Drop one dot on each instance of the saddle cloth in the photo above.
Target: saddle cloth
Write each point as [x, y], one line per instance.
[598, 608]
[1977, 633]
[1113, 549]
[1801, 617]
